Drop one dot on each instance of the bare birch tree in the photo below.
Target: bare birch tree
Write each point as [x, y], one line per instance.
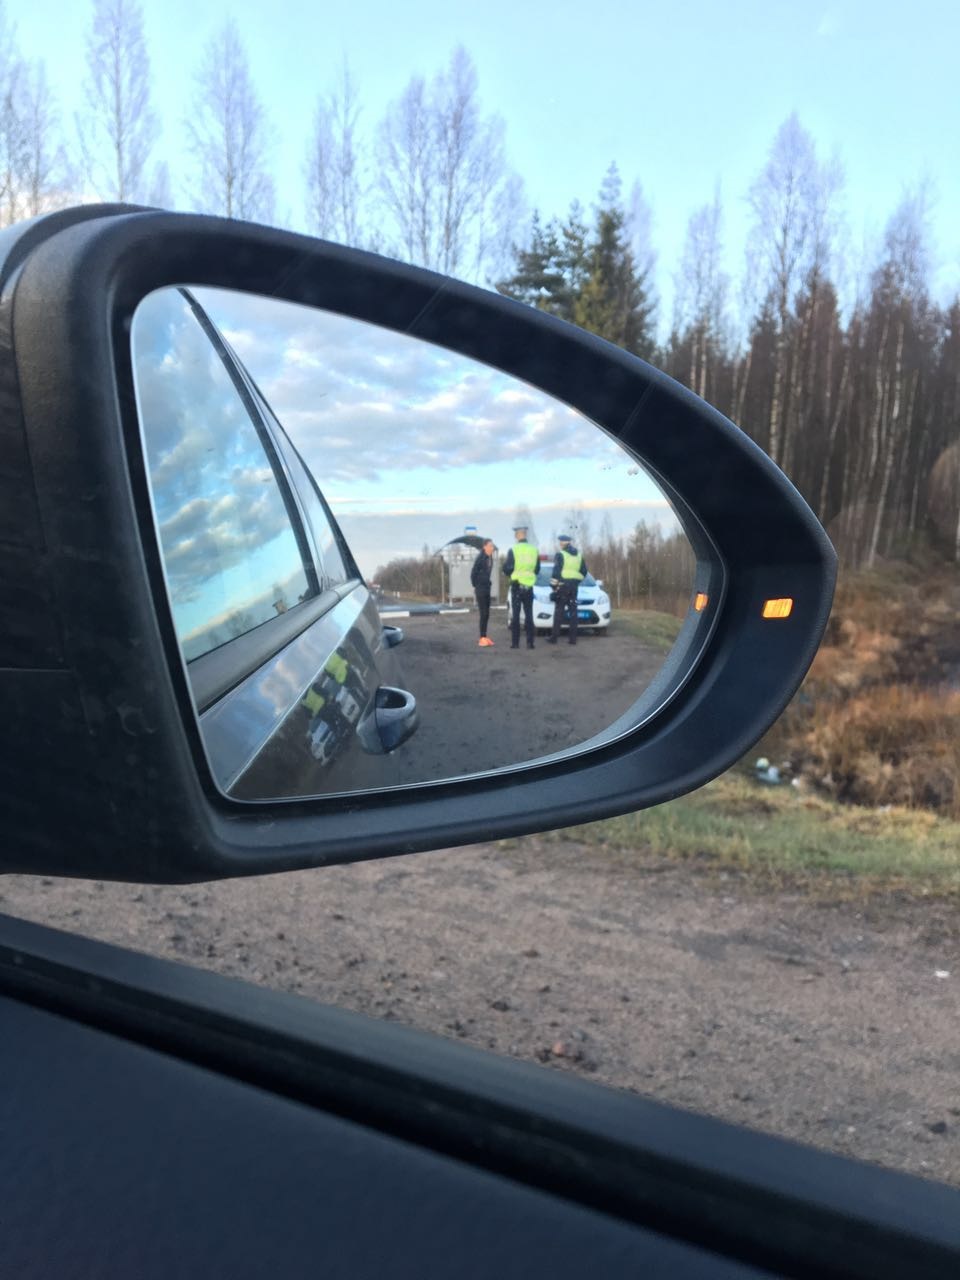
[442, 173]
[701, 294]
[160, 191]
[46, 175]
[33, 170]
[638, 230]
[950, 407]
[336, 166]
[117, 129]
[405, 162]
[781, 200]
[11, 123]
[501, 217]
[11, 162]
[901, 303]
[469, 154]
[228, 133]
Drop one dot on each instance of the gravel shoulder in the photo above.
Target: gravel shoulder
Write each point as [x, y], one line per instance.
[494, 708]
[830, 1023]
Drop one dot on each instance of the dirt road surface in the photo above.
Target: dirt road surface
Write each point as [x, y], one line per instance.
[834, 1024]
[491, 708]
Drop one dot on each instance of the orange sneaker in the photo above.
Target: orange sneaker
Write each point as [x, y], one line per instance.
[485, 642]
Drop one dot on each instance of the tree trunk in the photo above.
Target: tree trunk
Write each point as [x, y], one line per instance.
[773, 441]
[738, 412]
[890, 443]
[833, 427]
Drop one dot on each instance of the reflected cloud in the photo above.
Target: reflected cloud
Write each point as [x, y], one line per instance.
[363, 401]
[391, 427]
[224, 529]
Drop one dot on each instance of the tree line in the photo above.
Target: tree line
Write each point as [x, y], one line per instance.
[852, 388]
[859, 404]
[415, 576]
[646, 568]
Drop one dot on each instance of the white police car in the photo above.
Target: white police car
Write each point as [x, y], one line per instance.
[593, 603]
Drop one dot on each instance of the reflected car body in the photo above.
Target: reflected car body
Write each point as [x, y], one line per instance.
[293, 674]
[593, 603]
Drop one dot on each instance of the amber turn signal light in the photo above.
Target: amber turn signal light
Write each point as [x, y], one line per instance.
[777, 608]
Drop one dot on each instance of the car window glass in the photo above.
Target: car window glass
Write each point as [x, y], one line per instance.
[332, 567]
[230, 550]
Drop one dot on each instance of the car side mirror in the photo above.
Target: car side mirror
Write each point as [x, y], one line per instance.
[102, 707]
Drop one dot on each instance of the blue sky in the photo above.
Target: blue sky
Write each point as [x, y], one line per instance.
[679, 95]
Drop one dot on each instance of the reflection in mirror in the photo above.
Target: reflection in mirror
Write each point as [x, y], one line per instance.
[388, 564]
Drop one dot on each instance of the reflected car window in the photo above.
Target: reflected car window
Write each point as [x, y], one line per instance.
[231, 554]
[332, 568]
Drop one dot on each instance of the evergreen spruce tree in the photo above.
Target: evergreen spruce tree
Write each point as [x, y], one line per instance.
[573, 264]
[614, 302]
[588, 278]
[536, 279]
[551, 272]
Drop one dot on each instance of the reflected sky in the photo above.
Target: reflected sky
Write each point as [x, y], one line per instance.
[410, 443]
[231, 557]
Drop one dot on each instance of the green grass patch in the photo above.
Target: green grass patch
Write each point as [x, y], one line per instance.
[788, 837]
[649, 626]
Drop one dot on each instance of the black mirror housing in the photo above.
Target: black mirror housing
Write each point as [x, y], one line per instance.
[104, 772]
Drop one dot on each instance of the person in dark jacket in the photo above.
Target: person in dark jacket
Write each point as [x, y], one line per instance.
[480, 576]
[569, 570]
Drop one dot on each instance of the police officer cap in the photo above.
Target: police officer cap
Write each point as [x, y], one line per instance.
[518, 527]
[564, 537]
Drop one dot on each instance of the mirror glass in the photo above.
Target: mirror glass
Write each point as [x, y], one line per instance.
[388, 564]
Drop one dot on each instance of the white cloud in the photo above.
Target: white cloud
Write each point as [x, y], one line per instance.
[362, 402]
[407, 441]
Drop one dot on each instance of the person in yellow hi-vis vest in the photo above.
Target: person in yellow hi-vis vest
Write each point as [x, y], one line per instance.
[521, 565]
[569, 570]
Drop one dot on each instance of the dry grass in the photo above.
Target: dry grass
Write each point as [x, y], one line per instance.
[779, 837]
[650, 626]
[874, 739]
[891, 745]
[877, 722]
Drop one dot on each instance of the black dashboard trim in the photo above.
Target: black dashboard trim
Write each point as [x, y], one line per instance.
[758, 1199]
